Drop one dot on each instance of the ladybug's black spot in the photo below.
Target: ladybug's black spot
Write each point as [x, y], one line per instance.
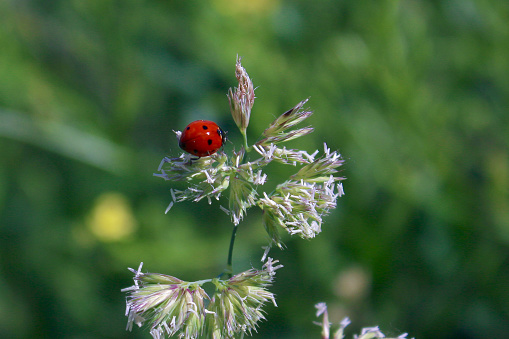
[188, 128]
[209, 141]
[205, 127]
[195, 151]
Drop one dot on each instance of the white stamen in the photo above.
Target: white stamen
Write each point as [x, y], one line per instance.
[341, 192]
[225, 210]
[165, 160]
[320, 308]
[130, 288]
[374, 329]
[345, 322]
[209, 178]
[265, 252]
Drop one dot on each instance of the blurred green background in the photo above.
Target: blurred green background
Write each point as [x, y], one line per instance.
[414, 94]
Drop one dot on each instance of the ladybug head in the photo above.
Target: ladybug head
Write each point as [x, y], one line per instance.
[222, 134]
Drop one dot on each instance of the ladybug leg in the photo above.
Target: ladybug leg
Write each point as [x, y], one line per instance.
[191, 159]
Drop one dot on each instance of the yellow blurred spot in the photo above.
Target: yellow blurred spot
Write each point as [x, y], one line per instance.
[352, 284]
[233, 7]
[111, 218]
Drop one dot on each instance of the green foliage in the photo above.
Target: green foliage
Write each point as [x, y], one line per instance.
[413, 93]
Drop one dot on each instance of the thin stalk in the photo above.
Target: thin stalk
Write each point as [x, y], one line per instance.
[229, 265]
[244, 135]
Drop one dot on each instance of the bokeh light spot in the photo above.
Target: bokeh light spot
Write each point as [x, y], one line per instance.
[111, 218]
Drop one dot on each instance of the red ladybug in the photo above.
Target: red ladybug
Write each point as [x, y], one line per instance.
[202, 138]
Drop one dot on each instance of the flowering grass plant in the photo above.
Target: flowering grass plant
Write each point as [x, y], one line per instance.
[170, 306]
[366, 332]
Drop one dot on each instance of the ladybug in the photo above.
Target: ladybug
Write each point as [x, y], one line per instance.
[202, 138]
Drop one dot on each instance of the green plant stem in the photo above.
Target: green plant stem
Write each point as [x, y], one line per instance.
[229, 265]
[244, 135]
